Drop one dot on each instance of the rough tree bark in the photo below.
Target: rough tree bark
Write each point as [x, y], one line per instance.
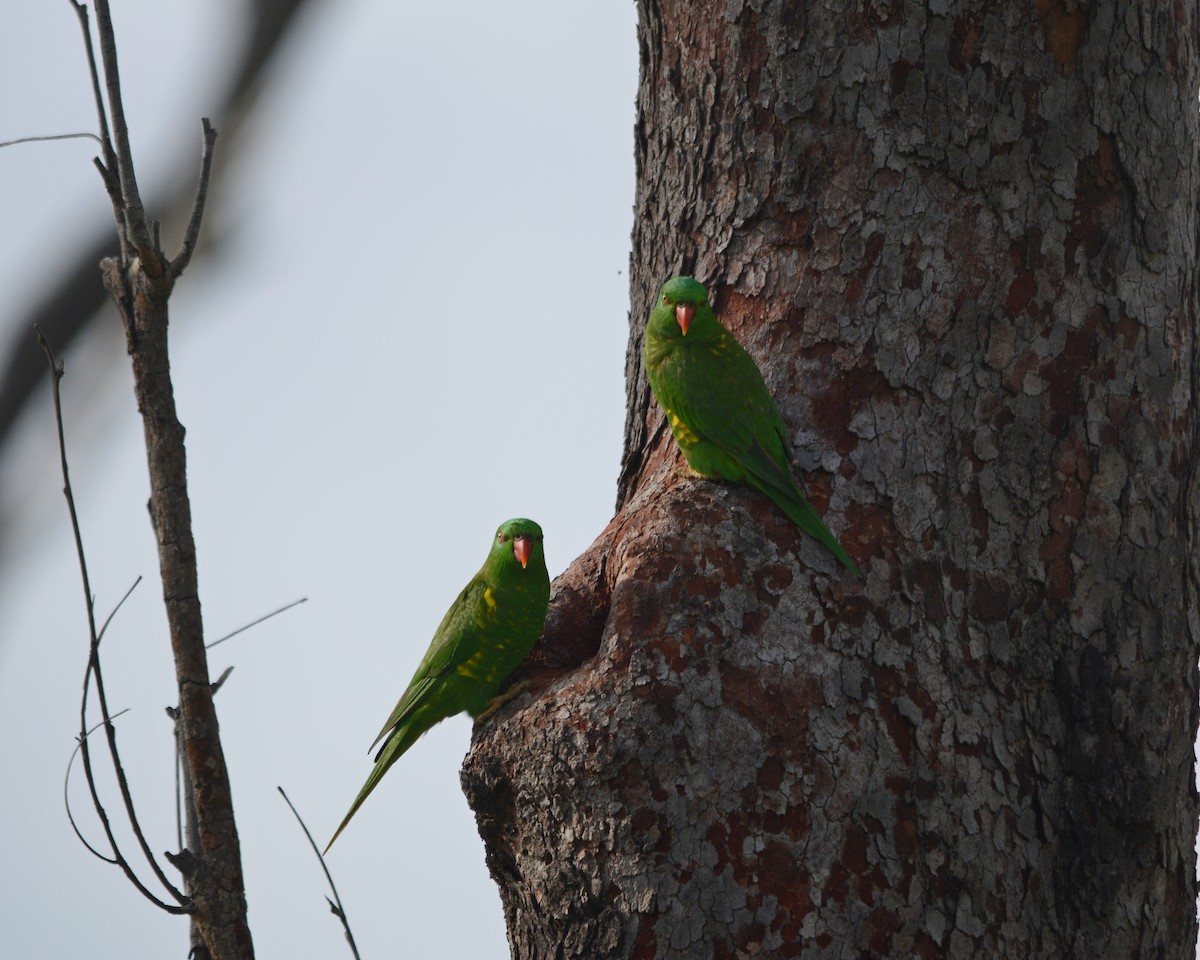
[961, 240]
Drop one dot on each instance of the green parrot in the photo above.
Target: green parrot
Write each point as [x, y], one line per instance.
[718, 406]
[484, 635]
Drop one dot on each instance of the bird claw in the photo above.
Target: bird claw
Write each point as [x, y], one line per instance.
[502, 698]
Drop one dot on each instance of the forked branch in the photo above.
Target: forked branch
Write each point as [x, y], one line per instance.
[94, 670]
[140, 280]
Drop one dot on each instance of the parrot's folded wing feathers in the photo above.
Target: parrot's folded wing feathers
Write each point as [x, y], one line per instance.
[453, 643]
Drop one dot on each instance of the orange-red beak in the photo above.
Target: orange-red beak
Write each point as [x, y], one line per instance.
[522, 548]
[684, 312]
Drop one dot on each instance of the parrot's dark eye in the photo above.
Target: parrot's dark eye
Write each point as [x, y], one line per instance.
[502, 538]
[666, 302]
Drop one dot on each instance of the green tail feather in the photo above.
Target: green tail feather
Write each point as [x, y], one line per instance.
[395, 747]
[806, 518]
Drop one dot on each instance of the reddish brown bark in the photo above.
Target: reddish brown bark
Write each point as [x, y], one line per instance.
[961, 242]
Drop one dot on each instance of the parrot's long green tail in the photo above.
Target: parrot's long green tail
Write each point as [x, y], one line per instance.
[400, 741]
[806, 518]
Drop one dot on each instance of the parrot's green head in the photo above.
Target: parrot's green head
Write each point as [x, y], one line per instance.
[518, 541]
[678, 304]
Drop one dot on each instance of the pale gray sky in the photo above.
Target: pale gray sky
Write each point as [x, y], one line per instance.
[415, 329]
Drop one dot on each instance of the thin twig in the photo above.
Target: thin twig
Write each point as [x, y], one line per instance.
[56, 371]
[187, 827]
[120, 860]
[123, 785]
[101, 813]
[220, 681]
[120, 603]
[192, 234]
[52, 136]
[173, 713]
[107, 165]
[255, 623]
[67, 798]
[135, 215]
[335, 905]
[105, 142]
[93, 669]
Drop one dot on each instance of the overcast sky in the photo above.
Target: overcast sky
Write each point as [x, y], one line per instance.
[414, 329]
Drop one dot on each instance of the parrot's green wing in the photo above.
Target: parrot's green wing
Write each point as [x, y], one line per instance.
[455, 641]
[432, 694]
[690, 383]
[717, 392]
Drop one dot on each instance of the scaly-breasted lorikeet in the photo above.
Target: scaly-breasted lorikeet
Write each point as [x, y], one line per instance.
[484, 635]
[718, 406]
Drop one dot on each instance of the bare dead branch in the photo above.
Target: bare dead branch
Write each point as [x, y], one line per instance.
[192, 234]
[119, 858]
[173, 713]
[107, 165]
[51, 136]
[138, 233]
[335, 905]
[81, 11]
[57, 370]
[120, 603]
[255, 623]
[67, 798]
[220, 681]
[140, 283]
[93, 670]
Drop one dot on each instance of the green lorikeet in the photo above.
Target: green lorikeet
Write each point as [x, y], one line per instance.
[484, 635]
[718, 406]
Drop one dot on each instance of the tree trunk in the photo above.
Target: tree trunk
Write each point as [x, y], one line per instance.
[961, 242]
